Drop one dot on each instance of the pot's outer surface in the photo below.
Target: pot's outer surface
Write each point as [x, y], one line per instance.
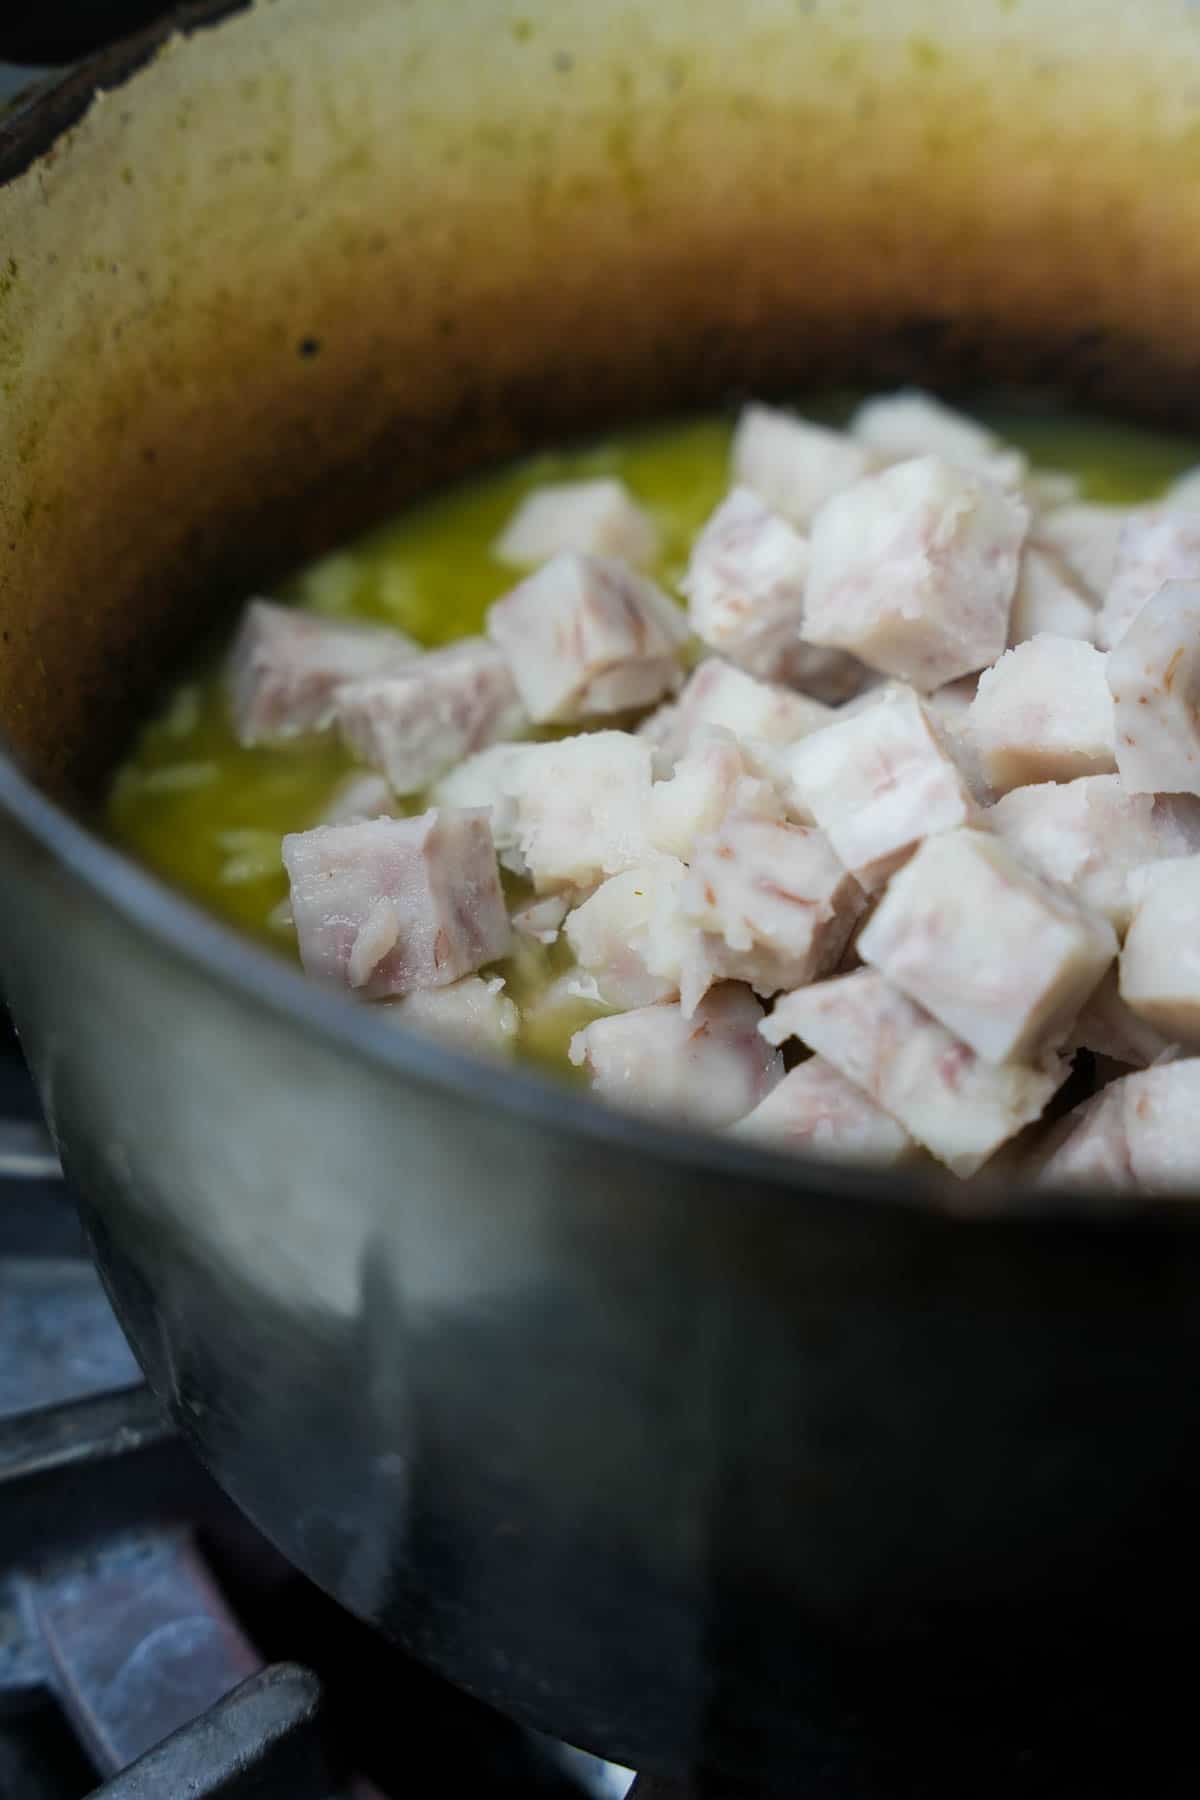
[675, 1451]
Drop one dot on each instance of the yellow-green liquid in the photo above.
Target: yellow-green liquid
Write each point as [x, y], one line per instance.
[208, 815]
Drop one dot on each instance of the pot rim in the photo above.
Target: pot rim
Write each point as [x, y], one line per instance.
[38, 115]
[182, 927]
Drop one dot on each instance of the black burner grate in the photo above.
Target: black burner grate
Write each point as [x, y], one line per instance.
[118, 1557]
[264, 1739]
[148, 1635]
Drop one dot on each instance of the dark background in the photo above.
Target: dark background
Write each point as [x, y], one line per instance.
[58, 31]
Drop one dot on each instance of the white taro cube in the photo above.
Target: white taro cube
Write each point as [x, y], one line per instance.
[541, 920]
[793, 464]
[775, 904]
[914, 570]
[1154, 547]
[711, 1069]
[383, 906]
[709, 780]
[586, 635]
[1044, 713]
[815, 1111]
[876, 783]
[362, 795]
[286, 667]
[1048, 599]
[1090, 1147]
[1082, 539]
[1137, 1134]
[599, 517]
[948, 709]
[1093, 836]
[483, 780]
[1001, 957]
[1162, 1105]
[910, 423]
[631, 937]
[745, 590]
[745, 579]
[1047, 489]
[947, 706]
[1154, 675]
[473, 1014]
[1109, 1027]
[419, 721]
[581, 807]
[1160, 961]
[957, 1106]
[719, 694]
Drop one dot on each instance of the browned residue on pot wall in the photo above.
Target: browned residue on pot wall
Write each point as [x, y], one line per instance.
[296, 270]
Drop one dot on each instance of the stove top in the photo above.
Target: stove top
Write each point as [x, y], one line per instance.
[151, 1641]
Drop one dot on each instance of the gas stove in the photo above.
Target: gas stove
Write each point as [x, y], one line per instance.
[151, 1641]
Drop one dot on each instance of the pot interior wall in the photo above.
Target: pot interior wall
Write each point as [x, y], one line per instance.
[310, 261]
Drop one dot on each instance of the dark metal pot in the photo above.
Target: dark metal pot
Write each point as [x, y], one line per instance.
[692, 1455]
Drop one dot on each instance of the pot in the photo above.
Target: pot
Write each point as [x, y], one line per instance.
[693, 1455]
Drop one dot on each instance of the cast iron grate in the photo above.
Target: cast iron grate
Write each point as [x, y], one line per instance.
[150, 1640]
[264, 1739]
[115, 1614]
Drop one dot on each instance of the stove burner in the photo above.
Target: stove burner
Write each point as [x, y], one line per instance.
[118, 1557]
[113, 1610]
[278, 1714]
[147, 1634]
